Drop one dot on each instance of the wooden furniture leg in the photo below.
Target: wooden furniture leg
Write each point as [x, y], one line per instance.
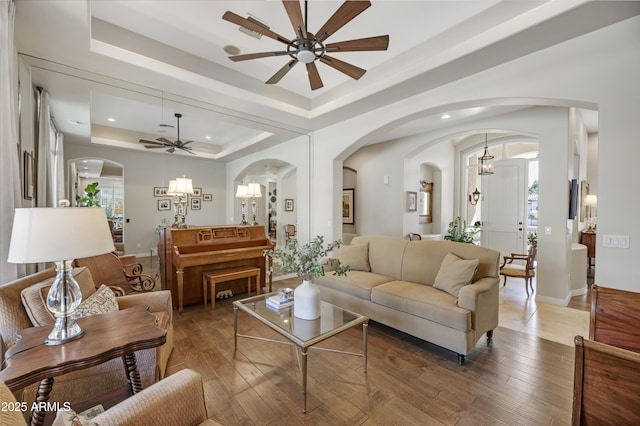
[133, 375]
[44, 390]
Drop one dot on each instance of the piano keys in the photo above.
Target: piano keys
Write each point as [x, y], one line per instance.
[185, 253]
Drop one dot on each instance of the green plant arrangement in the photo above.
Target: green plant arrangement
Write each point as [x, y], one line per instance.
[460, 232]
[532, 238]
[91, 196]
[305, 260]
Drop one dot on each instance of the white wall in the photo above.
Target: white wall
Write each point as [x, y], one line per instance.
[592, 71]
[144, 171]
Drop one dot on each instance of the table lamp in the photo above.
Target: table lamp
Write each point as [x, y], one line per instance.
[242, 192]
[60, 235]
[591, 200]
[254, 192]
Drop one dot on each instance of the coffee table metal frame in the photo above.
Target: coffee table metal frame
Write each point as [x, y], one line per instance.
[303, 340]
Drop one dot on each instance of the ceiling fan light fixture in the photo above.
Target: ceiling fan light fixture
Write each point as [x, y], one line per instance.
[305, 56]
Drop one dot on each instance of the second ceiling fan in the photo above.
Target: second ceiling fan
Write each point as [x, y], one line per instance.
[166, 143]
[308, 47]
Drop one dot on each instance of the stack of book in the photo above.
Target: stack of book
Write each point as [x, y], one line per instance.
[275, 302]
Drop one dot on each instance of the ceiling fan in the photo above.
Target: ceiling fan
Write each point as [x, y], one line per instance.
[166, 143]
[307, 47]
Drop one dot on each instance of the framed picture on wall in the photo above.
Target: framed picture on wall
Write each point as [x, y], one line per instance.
[197, 192]
[288, 204]
[195, 203]
[348, 206]
[412, 201]
[160, 191]
[207, 197]
[164, 204]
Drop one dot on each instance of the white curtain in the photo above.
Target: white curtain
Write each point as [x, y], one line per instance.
[58, 168]
[10, 196]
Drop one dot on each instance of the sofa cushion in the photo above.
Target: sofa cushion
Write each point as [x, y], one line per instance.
[355, 283]
[455, 273]
[423, 301]
[385, 253]
[100, 302]
[356, 256]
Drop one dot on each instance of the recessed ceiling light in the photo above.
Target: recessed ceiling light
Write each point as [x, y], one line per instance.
[207, 137]
[445, 116]
[111, 119]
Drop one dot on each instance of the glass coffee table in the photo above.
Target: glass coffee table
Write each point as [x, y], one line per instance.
[303, 334]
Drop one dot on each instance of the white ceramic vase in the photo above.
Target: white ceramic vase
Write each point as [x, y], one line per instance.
[306, 301]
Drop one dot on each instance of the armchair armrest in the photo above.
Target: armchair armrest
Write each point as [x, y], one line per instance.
[514, 256]
[176, 400]
[157, 301]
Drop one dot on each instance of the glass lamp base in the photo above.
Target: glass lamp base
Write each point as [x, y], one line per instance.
[60, 335]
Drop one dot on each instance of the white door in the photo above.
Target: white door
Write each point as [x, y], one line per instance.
[503, 207]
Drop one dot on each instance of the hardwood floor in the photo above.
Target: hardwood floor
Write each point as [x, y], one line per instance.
[519, 378]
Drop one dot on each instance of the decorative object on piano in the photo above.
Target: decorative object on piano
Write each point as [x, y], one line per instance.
[224, 294]
[254, 192]
[306, 261]
[241, 193]
[180, 188]
[51, 234]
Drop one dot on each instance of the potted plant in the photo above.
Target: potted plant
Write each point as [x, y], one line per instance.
[91, 196]
[532, 238]
[460, 232]
[306, 261]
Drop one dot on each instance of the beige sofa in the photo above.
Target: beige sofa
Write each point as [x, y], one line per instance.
[22, 305]
[440, 291]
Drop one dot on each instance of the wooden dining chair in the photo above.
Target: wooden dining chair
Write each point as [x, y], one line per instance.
[524, 267]
[414, 237]
[109, 269]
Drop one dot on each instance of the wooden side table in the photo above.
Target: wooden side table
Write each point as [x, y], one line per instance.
[107, 336]
[589, 240]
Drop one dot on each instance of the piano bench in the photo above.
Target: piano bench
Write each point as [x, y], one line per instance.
[228, 274]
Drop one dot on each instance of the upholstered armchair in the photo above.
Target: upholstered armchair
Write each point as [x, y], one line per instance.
[520, 265]
[122, 272]
[175, 400]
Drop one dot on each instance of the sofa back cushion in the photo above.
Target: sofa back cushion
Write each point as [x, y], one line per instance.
[422, 259]
[385, 253]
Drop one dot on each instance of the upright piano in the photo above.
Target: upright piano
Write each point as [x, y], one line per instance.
[185, 253]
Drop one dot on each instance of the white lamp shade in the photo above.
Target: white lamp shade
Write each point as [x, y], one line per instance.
[173, 185]
[242, 191]
[183, 185]
[591, 200]
[254, 190]
[54, 234]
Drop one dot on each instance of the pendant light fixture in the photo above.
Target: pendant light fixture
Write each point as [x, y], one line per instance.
[485, 163]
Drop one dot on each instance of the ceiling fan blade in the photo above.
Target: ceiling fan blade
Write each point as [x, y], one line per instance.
[155, 146]
[165, 140]
[183, 144]
[361, 44]
[295, 16]
[248, 56]
[188, 150]
[161, 144]
[171, 150]
[239, 20]
[350, 70]
[281, 72]
[344, 14]
[314, 76]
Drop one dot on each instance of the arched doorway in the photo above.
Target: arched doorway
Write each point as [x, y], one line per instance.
[109, 176]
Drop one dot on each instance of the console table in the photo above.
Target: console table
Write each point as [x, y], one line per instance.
[589, 240]
[106, 336]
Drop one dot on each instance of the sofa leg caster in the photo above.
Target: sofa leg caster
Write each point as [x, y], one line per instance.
[461, 359]
[489, 335]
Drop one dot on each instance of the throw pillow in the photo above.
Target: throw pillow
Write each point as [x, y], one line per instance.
[356, 256]
[70, 418]
[34, 300]
[455, 273]
[100, 302]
